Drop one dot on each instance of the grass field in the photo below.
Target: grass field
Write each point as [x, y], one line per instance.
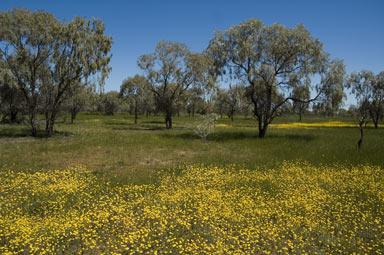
[113, 186]
[115, 147]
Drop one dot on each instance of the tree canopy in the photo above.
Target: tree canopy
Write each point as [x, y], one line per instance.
[272, 60]
[171, 70]
[48, 57]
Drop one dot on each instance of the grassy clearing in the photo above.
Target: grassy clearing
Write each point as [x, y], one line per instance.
[142, 188]
[114, 147]
[294, 208]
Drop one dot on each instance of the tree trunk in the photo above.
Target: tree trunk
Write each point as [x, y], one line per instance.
[46, 120]
[32, 122]
[360, 142]
[263, 126]
[168, 121]
[13, 116]
[73, 116]
[376, 122]
[51, 123]
[135, 114]
[263, 131]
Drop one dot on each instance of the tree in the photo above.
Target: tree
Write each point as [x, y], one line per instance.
[11, 99]
[302, 93]
[219, 101]
[272, 60]
[194, 100]
[236, 94]
[136, 91]
[80, 97]
[171, 70]
[364, 86]
[50, 58]
[376, 109]
[111, 102]
[331, 100]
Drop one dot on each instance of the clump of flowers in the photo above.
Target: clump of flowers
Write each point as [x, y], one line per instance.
[295, 209]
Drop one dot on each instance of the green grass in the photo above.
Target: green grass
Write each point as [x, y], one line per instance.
[115, 148]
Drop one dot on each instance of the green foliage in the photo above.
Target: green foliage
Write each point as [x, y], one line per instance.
[272, 60]
[110, 102]
[171, 70]
[49, 58]
[137, 91]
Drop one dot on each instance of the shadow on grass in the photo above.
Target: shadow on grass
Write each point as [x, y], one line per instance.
[119, 123]
[19, 133]
[153, 122]
[139, 127]
[226, 136]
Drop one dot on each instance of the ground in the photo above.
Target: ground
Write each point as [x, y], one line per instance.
[115, 186]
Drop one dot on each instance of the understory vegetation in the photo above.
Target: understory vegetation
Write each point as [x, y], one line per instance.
[125, 188]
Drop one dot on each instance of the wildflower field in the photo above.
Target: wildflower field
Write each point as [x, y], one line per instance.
[107, 186]
[296, 208]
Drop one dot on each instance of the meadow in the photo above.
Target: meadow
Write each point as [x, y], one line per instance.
[105, 185]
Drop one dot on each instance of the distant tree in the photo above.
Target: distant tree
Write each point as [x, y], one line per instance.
[11, 98]
[368, 88]
[376, 109]
[194, 100]
[172, 69]
[272, 60]
[49, 58]
[304, 94]
[111, 102]
[236, 94]
[331, 100]
[135, 90]
[79, 99]
[220, 99]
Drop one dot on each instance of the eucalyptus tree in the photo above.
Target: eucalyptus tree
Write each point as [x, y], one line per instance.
[236, 94]
[111, 102]
[304, 94]
[331, 100]
[376, 110]
[49, 58]
[171, 70]
[360, 85]
[194, 100]
[11, 99]
[219, 100]
[135, 90]
[26, 47]
[272, 61]
[78, 100]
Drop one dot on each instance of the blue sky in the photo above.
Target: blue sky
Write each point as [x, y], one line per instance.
[350, 30]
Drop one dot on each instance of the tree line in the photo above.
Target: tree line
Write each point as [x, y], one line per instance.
[48, 66]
